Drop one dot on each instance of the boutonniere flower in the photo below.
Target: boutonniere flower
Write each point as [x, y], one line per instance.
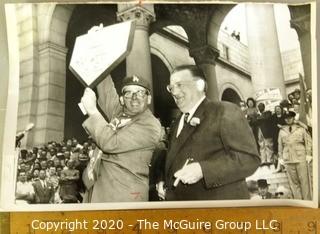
[194, 121]
[114, 123]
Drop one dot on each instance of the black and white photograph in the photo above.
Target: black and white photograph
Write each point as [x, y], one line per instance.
[140, 105]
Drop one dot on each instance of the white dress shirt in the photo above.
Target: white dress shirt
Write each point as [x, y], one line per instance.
[191, 113]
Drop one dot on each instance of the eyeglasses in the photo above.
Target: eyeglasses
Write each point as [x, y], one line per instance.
[178, 85]
[140, 94]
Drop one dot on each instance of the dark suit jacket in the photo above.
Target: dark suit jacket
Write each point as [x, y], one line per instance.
[224, 146]
[43, 195]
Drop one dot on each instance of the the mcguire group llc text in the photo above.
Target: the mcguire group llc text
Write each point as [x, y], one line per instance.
[146, 224]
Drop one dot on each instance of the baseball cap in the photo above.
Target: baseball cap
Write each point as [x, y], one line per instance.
[135, 80]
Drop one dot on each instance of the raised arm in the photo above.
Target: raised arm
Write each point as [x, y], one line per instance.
[108, 98]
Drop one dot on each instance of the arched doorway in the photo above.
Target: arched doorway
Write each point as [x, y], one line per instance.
[230, 95]
[164, 106]
[82, 19]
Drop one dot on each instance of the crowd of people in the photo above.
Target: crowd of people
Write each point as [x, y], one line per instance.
[52, 173]
[283, 138]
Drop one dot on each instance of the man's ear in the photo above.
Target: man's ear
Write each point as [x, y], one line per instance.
[201, 85]
[149, 98]
[121, 100]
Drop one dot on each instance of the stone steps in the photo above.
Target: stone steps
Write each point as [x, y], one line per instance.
[273, 178]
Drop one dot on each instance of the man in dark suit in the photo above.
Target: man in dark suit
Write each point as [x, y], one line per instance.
[44, 190]
[211, 148]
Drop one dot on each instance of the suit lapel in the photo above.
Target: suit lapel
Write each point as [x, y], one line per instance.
[176, 144]
[174, 129]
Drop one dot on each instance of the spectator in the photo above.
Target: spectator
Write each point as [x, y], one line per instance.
[277, 120]
[253, 190]
[285, 105]
[31, 157]
[27, 167]
[52, 154]
[24, 190]
[265, 135]
[290, 98]
[296, 94]
[44, 191]
[53, 178]
[35, 175]
[67, 155]
[43, 165]
[36, 165]
[296, 109]
[83, 161]
[251, 114]
[283, 193]
[263, 188]
[43, 155]
[59, 169]
[237, 36]
[233, 34]
[295, 153]
[68, 182]
[309, 110]
[63, 149]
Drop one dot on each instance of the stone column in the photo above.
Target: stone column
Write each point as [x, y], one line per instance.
[300, 21]
[195, 19]
[264, 51]
[205, 57]
[51, 98]
[139, 60]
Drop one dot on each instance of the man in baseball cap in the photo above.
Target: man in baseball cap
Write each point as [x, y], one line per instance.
[135, 96]
[118, 170]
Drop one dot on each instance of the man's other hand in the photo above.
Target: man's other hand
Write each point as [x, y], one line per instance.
[161, 190]
[190, 173]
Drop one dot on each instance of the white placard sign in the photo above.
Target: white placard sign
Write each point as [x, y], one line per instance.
[269, 94]
[96, 53]
[271, 97]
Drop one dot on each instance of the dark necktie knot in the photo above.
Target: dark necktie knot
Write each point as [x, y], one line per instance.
[186, 115]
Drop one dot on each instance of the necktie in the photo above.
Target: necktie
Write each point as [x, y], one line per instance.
[290, 129]
[186, 115]
[182, 123]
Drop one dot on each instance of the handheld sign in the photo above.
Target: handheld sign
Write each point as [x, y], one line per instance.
[98, 52]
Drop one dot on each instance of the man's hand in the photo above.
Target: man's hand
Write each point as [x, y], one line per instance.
[161, 190]
[308, 158]
[190, 173]
[89, 101]
[95, 28]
